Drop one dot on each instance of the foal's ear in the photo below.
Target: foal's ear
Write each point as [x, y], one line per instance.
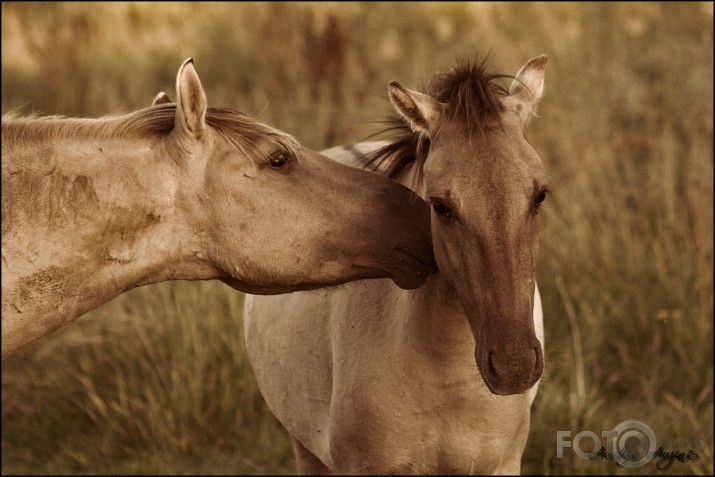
[528, 87]
[422, 111]
[161, 98]
[191, 101]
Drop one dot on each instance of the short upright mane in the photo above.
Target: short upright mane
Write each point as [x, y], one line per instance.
[472, 96]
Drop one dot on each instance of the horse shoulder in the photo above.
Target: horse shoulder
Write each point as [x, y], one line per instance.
[289, 347]
[298, 347]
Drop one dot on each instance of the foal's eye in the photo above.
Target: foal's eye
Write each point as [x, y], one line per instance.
[540, 198]
[442, 211]
[276, 161]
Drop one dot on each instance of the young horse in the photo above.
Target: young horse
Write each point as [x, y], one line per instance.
[94, 207]
[368, 378]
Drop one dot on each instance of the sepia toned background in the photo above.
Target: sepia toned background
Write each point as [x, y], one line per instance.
[157, 381]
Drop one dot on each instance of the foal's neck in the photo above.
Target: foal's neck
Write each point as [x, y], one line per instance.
[435, 324]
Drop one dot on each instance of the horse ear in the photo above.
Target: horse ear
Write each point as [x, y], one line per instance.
[191, 103]
[161, 98]
[422, 111]
[528, 87]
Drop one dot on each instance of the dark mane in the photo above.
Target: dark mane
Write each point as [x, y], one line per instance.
[154, 121]
[472, 96]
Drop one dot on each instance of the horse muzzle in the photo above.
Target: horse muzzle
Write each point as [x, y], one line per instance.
[412, 268]
[512, 369]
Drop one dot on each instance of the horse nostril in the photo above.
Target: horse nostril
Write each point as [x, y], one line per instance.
[507, 373]
[491, 368]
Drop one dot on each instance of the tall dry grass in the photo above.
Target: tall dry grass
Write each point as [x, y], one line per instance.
[157, 381]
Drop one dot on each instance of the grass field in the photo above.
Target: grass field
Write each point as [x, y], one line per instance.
[157, 381]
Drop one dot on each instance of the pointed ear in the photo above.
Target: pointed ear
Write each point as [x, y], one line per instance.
[191, 102]
[161, 98]
[528, 87]
[423, 112]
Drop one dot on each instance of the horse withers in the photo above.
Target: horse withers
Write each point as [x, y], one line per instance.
[368, 378]
[92, 208]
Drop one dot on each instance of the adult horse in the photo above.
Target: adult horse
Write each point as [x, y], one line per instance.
[92, 208]
[368, 378]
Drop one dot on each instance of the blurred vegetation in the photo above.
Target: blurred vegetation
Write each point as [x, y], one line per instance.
[157, 381]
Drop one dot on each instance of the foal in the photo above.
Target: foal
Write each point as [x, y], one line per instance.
[368, 378]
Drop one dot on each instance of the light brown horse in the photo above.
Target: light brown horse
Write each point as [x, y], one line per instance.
[94, 207]
[368, 378]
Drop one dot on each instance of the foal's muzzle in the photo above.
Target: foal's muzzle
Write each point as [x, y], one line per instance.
[511, 370]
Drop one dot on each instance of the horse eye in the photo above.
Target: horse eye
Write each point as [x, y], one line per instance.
[442, 211]
[540, 198]
[277, 161]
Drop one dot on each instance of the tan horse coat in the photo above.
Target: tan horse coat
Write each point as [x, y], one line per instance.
[95, 207]
[368, 378]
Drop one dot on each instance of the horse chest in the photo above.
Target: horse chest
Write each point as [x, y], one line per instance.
[413, 426]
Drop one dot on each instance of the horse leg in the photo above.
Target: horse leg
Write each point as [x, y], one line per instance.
[306, 463]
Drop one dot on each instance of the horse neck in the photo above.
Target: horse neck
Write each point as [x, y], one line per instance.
[84, 185]
[432, 329]
[84, 219]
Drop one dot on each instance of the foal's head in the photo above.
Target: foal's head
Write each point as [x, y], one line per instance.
[485, 184]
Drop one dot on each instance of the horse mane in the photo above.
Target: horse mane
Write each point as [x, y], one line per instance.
[154, 121]
[473, 97]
